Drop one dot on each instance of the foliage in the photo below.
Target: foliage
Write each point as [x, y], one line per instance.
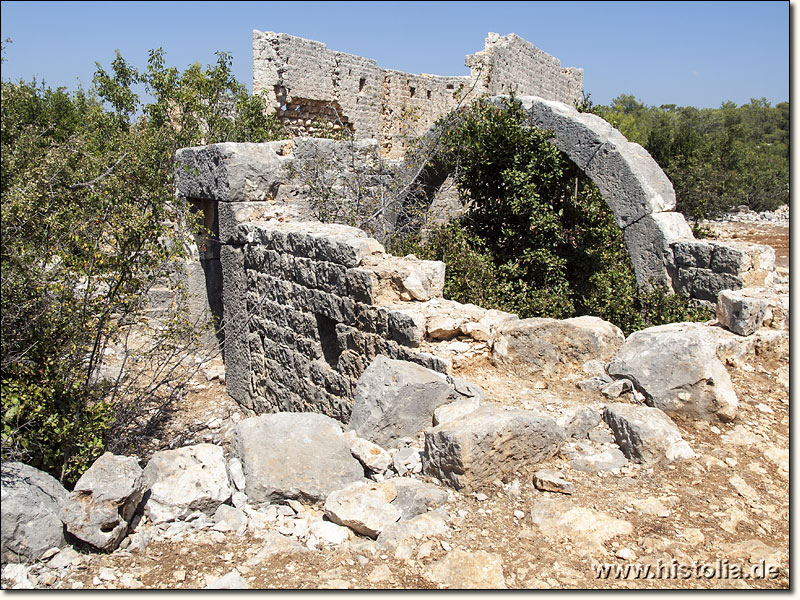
[537, 238]
[89, 225]
[716, 158]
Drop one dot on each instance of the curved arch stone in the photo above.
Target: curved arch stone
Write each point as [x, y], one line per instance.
[633, 185]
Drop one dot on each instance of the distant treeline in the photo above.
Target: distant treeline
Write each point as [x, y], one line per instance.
[716, 158]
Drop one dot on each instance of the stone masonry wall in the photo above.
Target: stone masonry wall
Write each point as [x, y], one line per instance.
[315, 89]
[302, 319]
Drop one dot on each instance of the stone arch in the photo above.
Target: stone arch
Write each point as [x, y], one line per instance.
[633, 185]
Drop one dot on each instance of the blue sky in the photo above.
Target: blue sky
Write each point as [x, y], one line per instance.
[685, 53]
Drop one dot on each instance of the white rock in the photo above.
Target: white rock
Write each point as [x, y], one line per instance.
[364, 507]
[184, 480]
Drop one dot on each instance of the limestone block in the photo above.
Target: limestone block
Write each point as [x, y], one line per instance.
[238, 366]
[692, 253]
[488, 444]
[364, 507]
[185, 480]
[646, 434]
[100, 507]
[455, 410]
[704, 284]
[631, 182]
[548, 345]
[415, 497]
[395, 399]
[578, 421]
[372, 456]
[231, 172]
[742, 311]
[406, 327]
[676, 368]
[580, 135]
[300, 456]
[30, 501]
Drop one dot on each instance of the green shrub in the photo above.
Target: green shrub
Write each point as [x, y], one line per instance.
[537, 239]
[90, 224]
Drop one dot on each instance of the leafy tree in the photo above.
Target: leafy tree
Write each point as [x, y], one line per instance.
[89, 225]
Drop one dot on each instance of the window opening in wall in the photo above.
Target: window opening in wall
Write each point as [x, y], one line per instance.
[413, 91]
[327, 338]
[449, 86]
[428, 94]
[361, 83]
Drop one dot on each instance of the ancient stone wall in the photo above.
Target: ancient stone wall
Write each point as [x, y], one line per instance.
[307, 308]
[317, 90]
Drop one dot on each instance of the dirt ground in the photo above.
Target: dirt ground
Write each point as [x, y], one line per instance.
[729, 506]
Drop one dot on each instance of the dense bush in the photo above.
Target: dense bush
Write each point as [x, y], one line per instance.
[90, 224]
[717, 159]
[537, 239]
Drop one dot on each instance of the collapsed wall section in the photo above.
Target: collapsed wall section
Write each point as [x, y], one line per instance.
[318, 91]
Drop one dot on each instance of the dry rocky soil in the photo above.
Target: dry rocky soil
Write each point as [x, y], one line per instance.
[718, 521]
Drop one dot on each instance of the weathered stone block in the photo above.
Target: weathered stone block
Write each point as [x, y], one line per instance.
[231, 172]
[546, 345]
[100, 507]
[395, 399]
[293, 455]
[648, 243]
[646, 434]
[488, 444]
[676, 369]
[185, 480]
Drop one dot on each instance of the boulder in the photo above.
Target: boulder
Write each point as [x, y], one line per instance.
[185, 480]
[548, 345]
[415, 497]
[100, 508]
[488, 444]
[646, 434]
[302, 456]
[30, 502]
[676, 368]
[364, 507]
[395, 399]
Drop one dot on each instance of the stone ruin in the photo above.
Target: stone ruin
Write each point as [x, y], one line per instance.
[307, 306]
[314, 89]
[318, 318]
